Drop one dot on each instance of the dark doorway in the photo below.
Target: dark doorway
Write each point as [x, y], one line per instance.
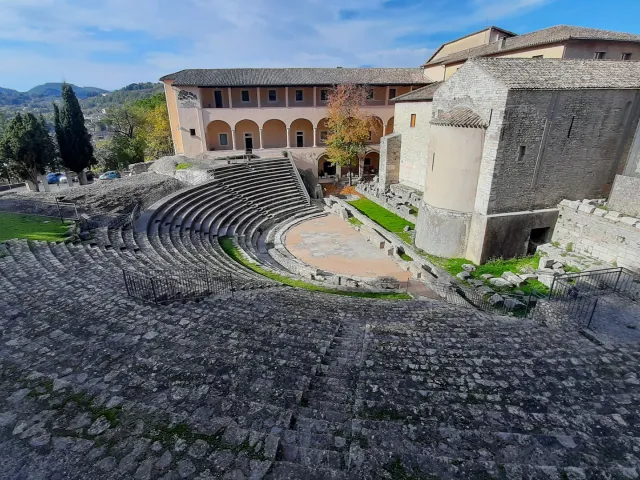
[248, 141]
[329, 168]
[218, 97]
[537, 237]
[299, 139]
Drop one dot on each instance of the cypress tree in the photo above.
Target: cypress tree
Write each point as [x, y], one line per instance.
[74, 141]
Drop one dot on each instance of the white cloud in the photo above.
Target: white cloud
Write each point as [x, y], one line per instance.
[114, 42]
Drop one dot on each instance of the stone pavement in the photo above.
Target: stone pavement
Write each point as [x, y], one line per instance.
[290, 384]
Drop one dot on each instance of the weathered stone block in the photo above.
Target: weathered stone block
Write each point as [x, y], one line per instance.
[512, 278]
[464, 275]
[499, 282]
[546, 262]
[468, 267]
[629, 221]
[586, 208]
[599, 212]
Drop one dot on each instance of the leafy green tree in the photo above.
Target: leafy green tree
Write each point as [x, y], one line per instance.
[74, 142]
[27, 147]
[119, 152]
[156, 130]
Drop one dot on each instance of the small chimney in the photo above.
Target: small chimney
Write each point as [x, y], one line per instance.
[502, 42]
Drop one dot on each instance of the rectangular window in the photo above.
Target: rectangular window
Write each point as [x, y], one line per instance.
[570, 127]
[625, 56]
[538, 56]
[323, 136]
[224, 140]
[370, 135]
[413, 120]
[192, 132]
[245, 95]
[392, 93]
[299, 96]
[521, 153]
[324, 95]
[599, 55]
[272, 96]
[370, 94]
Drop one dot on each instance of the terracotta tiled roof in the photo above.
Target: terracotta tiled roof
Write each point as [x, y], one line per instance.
[557, 74]
[420, 95]
[248, 77]
[559, 33]
[460, 117]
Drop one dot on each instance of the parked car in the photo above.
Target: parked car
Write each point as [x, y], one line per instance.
[56, 177]
[110, 175]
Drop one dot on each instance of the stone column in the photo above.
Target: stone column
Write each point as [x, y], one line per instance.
[386, 100]
[315, 131]
[288, 138]
[259, 105]
[286, 103]
[233, 139]
[384, 129]
[261, 144]
[230, 100]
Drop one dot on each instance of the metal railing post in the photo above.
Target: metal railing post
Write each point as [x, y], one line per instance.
[617, 279]
[595, 304]
[553, 282]
[126, 283]
[153, 290]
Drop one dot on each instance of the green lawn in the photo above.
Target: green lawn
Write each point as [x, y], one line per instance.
[31, 227]
[496, 268]
[355, 221]
[384, 217]
[230, 249]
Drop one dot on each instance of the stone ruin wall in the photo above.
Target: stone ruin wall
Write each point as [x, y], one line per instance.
[607, 235]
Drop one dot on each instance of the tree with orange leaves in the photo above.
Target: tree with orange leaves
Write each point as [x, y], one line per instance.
[348, 125]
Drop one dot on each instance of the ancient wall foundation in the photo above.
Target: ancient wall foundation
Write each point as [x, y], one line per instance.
[603, 234]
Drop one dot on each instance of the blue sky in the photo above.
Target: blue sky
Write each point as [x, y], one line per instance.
[111, 43]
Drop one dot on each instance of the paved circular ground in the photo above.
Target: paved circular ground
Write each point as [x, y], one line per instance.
[332, 244]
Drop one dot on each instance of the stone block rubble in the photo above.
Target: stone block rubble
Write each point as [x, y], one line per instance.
[397, 198]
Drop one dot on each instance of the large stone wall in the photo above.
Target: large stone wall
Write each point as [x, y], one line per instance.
[415, 141]
[390, 160]
[625, 195]
[605, 235]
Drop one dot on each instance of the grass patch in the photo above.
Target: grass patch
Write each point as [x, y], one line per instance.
[405, 257]
[31, 227]
[496, 268]
[183, 166]
[354, 221]
[230, 249]
[413, 210]
[382, 216]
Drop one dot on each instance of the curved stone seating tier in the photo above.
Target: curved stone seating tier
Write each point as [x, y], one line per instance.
[242, 200]
[312, 385]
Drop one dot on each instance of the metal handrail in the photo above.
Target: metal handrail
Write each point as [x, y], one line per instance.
[300, 181]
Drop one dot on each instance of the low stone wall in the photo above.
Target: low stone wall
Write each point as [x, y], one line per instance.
[396, 199]
[420, 267]
[192, 176]
[603, 234]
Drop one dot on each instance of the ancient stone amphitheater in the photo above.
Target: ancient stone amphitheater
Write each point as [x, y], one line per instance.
[279, 382]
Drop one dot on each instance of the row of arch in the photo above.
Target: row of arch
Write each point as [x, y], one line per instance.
[369, 165]
[275, 133]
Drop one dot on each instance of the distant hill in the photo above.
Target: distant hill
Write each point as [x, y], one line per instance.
[93, 100]
[55, 89]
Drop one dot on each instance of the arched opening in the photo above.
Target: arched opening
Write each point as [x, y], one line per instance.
[219, 136]
[371, 163]
[247, 135]
[325, 168]
[274, 134]
[375, 130]
[322, 132]
[301, 133]
[389, 130]
[354, 169]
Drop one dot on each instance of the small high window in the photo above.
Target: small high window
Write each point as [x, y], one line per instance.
[599, 55]
[224, 139]
[538, 56]
[192, 132]
[323, 136]
[392, 93]
[370, 94]
[521, 153]
[625, 56]
[245, 95]
[413, 120]
[299, 96]
[370, 135]
[272, 96]
[324, 95]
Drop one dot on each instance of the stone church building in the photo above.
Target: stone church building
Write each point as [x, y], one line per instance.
[507, 140]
